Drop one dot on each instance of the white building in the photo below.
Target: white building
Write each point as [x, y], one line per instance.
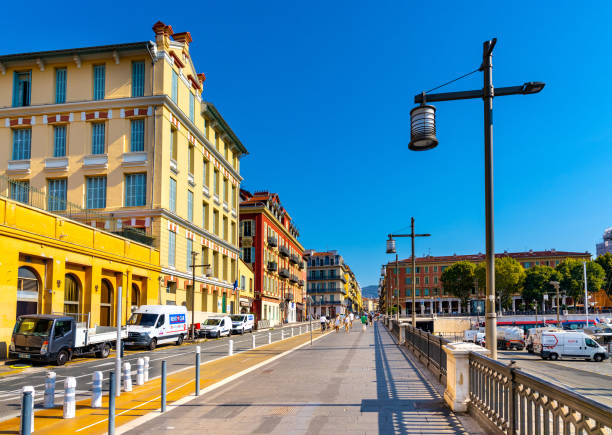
[606, 245]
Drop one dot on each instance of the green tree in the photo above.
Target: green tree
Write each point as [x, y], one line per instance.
[458, 280]
[537, 282]
[509, 277]
[605, 261]
[572, 277]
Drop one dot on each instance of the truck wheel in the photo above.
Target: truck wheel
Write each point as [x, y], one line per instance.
[598, 357]
[153, 344]
[179, 340]
[104, 352]
[62, 358]
[554, 357]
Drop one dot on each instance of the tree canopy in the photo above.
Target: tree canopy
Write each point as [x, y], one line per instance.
[605, 261]
[537, 282]
[509, 277]
[458, 280]
[572, 277]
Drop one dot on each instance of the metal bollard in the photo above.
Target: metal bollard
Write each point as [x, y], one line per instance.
[146, 369]
[69, 397]
[269, 338]
[230, 350]
[139, 371]
[253, 340]
[111, 404]
[197, 371]
[49, 390]
[26, 426]
[163, 387]
[96, 390]
[127, 377]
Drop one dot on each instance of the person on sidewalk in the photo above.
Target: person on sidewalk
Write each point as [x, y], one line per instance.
[352, 316]
[364, 322]
[323, 322]
[337, 323]
[347, 321]
[370, 319]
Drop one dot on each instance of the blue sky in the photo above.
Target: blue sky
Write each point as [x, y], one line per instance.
[320, 93]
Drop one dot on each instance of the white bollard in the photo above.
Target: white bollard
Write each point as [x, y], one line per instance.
[300, 331]
[49, 390]
[23, 390]
[127, 377]
[69, 397]
[146, 369]
[269, 338]
[253, 340]
[139, 371]
[292, 332]
[96, 390]
[282, 334]
[230, 349]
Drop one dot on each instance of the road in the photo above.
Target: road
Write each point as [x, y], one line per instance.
[177, 357]
[588, 378]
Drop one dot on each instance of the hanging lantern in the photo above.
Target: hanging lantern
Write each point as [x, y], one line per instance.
[423, 128]
[390, 246]
[207, 270]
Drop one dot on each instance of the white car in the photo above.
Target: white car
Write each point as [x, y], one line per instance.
[242, 323]
[215, 327]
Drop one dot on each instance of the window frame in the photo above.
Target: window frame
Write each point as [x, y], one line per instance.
[99, 82]
[130, 193]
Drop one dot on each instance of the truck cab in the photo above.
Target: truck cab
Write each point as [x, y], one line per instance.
[43, 337]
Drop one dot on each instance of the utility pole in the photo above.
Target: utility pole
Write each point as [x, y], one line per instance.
[586, 294]
[207, 272]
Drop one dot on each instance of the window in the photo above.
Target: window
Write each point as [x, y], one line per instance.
[72, 295]
[426, 292]
[426, 280]
[171, 248]
[216, 183]
[96, 192]
[225, 228]
[233, 233]
[20, 190]
[417, 269]
[408, 270]
[204, 215]
[190, 206]
[435, 269]
[97, 138]
[417, 292]
[526, 265]
[106, 300]
[173, 144]
[248, 255]
[225, 190]
[57, 194]
[191, 163]
[216, 222]
[22, 81]
[60, 85]
[27, 291]
[135, 189]
[138, 70]
[435, 279]
[191, 107]
[408, 281]
[408, 292]
[172, 197]
[137, 136]
[174, 95]
[205, 173]
[99, 82]
[417, 280]
[189, 251]
[426, 269]
[443, 268]
[21, 143]
[247, 228]
[59, 141]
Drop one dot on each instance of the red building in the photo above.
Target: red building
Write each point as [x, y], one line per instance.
[269, 246]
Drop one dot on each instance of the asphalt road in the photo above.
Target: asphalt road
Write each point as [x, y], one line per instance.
[177, 358]
[588, 378]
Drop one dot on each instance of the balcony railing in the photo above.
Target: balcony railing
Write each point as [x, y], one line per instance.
[327, 278]
[294, 259]
[301, 265]
[301, 283]
[293, 278]
[272, 266]
[289, 295]
[284, 273]
[284, 251]
[272, 241]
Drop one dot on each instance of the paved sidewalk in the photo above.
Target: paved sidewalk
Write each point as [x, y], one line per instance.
[345, 383]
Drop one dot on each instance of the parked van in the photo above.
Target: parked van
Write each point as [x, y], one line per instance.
[242, 323]
[566, 344]
[216, 327]
[151, 325]
[534, 336]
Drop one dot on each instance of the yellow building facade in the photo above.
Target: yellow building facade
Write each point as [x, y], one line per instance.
[51, 264]
[123, 132]
[246, 279]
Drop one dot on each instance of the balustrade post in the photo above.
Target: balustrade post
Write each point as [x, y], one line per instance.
[457, 392]
[512, 401]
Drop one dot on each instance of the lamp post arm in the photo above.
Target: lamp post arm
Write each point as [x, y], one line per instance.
[524, 89]
[408, 235]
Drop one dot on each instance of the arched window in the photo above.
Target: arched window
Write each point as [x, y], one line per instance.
[135, 296]
[72, 294]
[106, 303]
[27, 291]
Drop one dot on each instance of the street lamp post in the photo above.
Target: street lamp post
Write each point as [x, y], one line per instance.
[207, 272]
[391, 250]
[423, 137]
[556, 284]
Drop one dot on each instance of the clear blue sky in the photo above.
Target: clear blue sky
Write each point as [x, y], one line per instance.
[320, 93]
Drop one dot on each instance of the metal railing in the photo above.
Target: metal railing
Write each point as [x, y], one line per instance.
[514, 402]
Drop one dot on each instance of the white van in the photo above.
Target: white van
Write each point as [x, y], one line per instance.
[151, 325]
[216, 327]
[242, 323]
[569, 344]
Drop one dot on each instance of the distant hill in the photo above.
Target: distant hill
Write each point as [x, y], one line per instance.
[369, 291]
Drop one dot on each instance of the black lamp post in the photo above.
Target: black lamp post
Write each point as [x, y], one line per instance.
[423, 137]
[207, 272]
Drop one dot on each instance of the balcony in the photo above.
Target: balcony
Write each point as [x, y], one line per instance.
[301, 283]
[288, 296]
[190, 179]
[294, 259]
[272, 266]
[284, 273]
[293, 279]
[272, 241]
[283, 251]
[301, 265]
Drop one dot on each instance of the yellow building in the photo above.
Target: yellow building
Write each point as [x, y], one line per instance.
[123, 130]
[51, 264]
[245, 285]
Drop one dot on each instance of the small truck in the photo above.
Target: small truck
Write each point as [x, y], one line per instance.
[510, 338]
[57, 338]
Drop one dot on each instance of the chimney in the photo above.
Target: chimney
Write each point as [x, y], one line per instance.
[162, 33]
[184, 37]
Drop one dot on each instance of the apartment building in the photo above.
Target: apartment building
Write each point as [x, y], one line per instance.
[269, 245]
[121, 134]
[430, 296]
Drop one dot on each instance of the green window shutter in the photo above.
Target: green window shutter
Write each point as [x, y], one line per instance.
[60, 85]
[138, 72]
[137, 136]
[99, 82]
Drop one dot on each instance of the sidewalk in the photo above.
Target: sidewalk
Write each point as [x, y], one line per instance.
[355, 383]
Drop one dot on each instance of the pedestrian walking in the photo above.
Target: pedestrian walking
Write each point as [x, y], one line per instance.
[337, 323]
[347, 320]
[364, 321]
[370, 319]
[323, 323]
[352, 317]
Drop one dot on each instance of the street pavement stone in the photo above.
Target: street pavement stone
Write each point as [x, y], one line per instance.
[356, 383]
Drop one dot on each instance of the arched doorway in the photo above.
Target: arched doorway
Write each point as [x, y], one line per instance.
[72, 295]
[135, 296]
[27, 291]
[106, 303]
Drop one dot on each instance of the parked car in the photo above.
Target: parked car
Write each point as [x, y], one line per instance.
[151, 325]
[566, 344]
[242, 323]
[215, 327]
